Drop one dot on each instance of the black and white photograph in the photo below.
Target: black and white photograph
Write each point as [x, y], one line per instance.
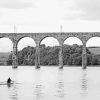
[49, 49]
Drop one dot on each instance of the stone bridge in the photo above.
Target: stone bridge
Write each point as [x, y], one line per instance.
[38, 37]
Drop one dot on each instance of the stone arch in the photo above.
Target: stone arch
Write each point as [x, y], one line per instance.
[29, 52]
[54, 38]
[28, 37]
[93, 46]
[95, 40]
[9, 37]
[8, 42]
[6, 48]
[72, 52]
[49, 53]
[71, 37]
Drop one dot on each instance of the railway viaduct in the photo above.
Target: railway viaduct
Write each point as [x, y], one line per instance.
[38, 37]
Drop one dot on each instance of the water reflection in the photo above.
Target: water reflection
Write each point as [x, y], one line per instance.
[60, 84]
[84, 84]
[12, 90]
[38, 93]
[50, 83]
[9, 85]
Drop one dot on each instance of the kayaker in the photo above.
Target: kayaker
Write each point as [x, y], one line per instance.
[9, 80]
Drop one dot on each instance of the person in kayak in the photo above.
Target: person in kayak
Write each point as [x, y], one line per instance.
[9, 81]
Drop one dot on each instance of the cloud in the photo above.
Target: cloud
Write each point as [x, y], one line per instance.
[85, 9]
[15, 4]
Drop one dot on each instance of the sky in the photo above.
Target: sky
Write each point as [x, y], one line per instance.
[48, 16]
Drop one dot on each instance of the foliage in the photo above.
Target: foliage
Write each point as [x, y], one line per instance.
[72, 55]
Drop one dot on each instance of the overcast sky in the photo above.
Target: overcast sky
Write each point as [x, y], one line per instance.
[48, 15]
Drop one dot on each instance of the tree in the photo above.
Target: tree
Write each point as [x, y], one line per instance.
[72, 55]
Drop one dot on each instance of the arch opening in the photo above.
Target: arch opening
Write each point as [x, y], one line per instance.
[26, 51]
[6, 48]
[93, 46]
[49, 51]
[49, 41]
[25, 42]
[72, 51]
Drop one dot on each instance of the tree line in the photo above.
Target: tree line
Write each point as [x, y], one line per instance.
[72, 55]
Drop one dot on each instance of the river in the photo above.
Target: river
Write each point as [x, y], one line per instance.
[50, 83]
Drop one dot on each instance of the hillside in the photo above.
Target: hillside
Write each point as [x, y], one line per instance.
[3, 57]
[94, 50]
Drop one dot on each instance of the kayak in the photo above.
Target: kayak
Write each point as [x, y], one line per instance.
[5, 83]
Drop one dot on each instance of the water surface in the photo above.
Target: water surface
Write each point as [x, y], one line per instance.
[50, 83]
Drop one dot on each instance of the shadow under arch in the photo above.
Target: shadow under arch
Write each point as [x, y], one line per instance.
[72, 51]
[49, 51]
